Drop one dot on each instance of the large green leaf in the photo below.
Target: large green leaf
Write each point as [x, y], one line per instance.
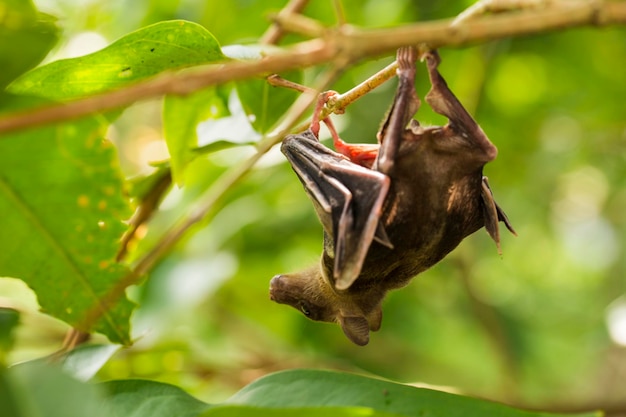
[306, 393]
[62, 205]
[61, 185]
[25, 38]
[248, 411]
[140, 54]
[314, 388]
[138, 398]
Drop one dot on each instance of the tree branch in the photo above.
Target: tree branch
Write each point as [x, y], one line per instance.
[275, 32]
[349, 43]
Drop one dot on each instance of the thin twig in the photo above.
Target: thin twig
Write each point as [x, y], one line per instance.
[299, 24]
[482, 7]
[273, 34]
[350, 43]
[337, 104]
[276, 80]
[301, 55]
[148, 204]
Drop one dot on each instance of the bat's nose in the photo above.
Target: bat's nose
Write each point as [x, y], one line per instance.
[275, 284]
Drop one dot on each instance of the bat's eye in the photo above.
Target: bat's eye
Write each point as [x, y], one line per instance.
[305, 309]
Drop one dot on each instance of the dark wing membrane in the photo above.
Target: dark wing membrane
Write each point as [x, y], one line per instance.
[348, 199]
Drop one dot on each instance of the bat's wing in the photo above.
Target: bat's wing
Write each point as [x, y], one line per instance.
[493, 214]
[348, 199]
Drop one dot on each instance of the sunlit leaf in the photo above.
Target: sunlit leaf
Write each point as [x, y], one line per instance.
[85, 361]
[138, 55]
[61, 196]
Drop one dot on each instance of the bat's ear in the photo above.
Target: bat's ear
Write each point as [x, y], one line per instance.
[375, 318]
[356, 328]
[493, 214]
[490, 214]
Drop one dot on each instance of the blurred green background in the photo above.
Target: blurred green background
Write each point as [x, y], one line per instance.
[542, 325]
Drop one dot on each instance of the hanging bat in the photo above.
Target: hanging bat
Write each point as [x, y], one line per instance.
[392, 210]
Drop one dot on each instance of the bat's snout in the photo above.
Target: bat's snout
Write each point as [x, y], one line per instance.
[275, 286]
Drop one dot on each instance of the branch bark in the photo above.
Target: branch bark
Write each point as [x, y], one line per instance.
[346, 43]
[275, 32]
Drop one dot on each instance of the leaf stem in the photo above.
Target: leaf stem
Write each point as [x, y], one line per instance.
[337, 103]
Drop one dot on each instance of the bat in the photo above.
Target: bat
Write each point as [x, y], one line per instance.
[389, 210]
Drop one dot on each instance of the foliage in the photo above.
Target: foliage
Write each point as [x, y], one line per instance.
[528, 328]
[289, 393]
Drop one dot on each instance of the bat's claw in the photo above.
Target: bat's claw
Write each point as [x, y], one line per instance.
[406, 57]
[319, 107]
[432, 59]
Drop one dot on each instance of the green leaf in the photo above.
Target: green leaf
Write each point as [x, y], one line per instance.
[305, 393]
[39, 389]
[263, 103]
[243, 411]
[82, 362]
[138, 398]
[136, 56]
[85, 361]
[9, 319]
[62, 205]
[181, 116]
[314, 388]
[25, 38]
[7, 396]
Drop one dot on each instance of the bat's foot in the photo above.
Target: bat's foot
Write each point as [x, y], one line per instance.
[319, 107]
[432, 59]
[406, 57]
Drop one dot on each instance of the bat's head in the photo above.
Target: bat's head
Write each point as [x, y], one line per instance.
[310, 293]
